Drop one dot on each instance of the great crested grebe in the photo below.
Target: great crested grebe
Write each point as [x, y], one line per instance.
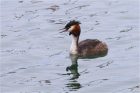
[85, 47]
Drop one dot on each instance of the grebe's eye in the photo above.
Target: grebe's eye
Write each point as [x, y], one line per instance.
[68, 27]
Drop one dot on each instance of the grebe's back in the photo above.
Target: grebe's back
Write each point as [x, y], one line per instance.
[91, 46]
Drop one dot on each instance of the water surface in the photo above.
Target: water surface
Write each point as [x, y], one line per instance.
[35, 56]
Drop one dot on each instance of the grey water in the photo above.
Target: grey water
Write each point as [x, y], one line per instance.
[35, 56]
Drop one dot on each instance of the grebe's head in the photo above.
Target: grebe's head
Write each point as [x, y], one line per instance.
[73, 28]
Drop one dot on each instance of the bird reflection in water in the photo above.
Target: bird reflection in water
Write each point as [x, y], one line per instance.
[74, 68]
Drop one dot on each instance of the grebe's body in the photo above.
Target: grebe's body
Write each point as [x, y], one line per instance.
[86, 47]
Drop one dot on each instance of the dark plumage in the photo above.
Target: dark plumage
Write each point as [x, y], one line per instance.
[71, 23]
[91, 46]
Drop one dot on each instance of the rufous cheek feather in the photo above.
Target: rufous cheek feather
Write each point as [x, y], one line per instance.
[76, 30]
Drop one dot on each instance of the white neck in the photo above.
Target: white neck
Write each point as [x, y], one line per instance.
[74, 45]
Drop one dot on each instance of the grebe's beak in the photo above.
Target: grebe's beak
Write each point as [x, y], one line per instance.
[64, 30]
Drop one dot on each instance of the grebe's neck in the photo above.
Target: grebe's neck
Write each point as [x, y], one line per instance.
[74, 45]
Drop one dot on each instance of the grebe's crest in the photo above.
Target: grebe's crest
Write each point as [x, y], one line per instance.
[71, 23]
[73, 28]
